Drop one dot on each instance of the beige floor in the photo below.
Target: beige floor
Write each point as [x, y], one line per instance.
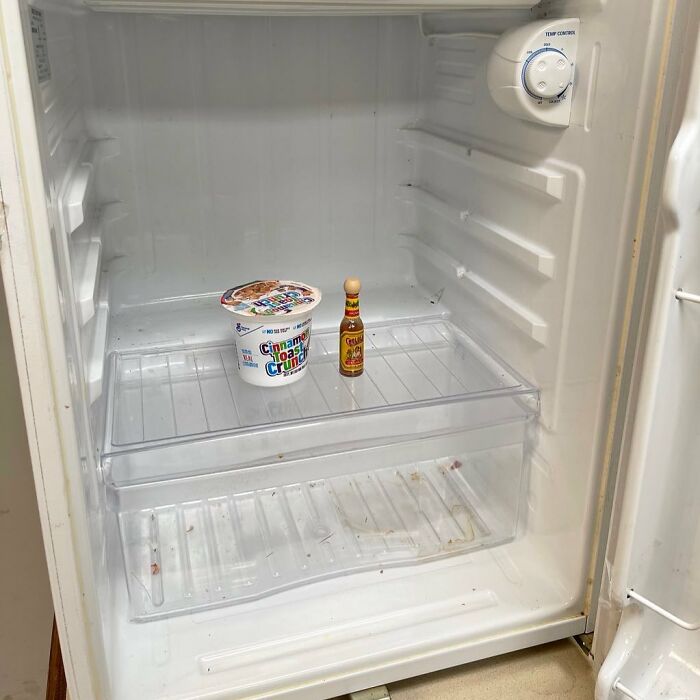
[26, 609]
[552, 671]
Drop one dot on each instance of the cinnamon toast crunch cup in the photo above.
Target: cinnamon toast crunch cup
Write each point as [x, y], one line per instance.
[272, 328]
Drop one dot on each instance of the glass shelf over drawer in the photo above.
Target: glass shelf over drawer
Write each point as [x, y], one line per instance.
[425, 378]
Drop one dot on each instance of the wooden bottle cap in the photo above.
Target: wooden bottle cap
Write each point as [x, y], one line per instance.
[352, 285]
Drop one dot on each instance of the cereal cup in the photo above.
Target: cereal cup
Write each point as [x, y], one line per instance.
[272, 328]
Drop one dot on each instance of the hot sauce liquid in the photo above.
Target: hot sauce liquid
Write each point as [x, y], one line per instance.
[352, 333]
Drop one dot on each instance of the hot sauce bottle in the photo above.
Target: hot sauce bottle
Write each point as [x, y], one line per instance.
[352, 332]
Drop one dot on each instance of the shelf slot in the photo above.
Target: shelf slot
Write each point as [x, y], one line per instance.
[422, 197]
[452, 93]
[96, 360]
[75, 201]
[77, 196]
[541, 179]
[529, 254]
[521, 317]
[85, 280]
[444, 262]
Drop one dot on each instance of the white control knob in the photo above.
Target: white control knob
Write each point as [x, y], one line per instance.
[531, 70]
[547, 74]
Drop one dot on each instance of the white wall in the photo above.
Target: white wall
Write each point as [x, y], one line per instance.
[557, 324]
[249, 147]
[26, 610]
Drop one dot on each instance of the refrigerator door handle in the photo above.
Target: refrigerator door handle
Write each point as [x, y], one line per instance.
[642, 600]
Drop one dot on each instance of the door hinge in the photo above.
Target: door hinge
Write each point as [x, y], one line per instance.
[585, 643]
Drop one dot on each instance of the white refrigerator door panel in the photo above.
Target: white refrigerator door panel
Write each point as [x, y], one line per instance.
[655, 576]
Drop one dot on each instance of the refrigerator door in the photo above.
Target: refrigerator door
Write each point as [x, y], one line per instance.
[654, 568]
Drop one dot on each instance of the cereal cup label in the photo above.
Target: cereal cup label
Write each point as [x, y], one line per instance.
[272, 328]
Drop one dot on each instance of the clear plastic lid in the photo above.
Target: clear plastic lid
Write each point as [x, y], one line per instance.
[271, 298]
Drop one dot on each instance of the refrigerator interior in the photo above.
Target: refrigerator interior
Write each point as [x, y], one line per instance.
[438, 509]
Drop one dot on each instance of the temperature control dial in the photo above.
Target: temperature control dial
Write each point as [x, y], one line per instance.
[547, 74]
[530, 72]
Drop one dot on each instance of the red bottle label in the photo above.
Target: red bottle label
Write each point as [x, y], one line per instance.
[352, 305]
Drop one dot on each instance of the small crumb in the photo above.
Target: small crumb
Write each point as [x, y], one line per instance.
[415, 476]
[309, 556]
[381, 571]
[280, 456]
[456, 464]
[190, 528]
[155, 569]
[274, 492]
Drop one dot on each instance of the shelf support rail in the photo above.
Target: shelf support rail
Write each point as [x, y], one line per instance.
[684, 624]
[624, 690]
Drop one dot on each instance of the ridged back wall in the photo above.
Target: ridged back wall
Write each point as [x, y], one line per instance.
[252, 147]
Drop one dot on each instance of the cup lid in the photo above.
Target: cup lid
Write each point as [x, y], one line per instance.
[270, 298]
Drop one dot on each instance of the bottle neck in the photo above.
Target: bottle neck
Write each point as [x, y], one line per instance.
[352, 305]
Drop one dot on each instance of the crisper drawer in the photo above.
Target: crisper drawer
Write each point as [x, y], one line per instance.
[207, 541]
[182, 412]
[225, 492]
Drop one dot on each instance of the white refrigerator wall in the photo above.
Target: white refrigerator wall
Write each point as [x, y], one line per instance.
[247, 143]
[542, 221]
[251, 147]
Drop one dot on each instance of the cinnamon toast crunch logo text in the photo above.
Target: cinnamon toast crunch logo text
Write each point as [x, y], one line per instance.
[286, 356]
